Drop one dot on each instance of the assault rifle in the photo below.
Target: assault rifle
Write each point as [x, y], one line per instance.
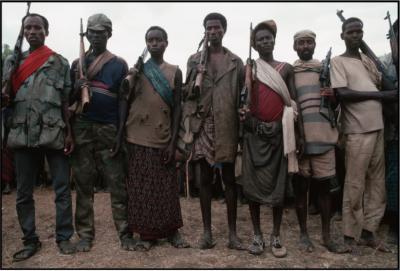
[7, 94]
[130, 80]
[203, 61]
[244, 93]
[248, 79]
[325, 108]
[85, 96]
[367, 51]
[394, 45]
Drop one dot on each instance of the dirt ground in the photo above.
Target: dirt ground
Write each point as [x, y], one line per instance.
[106, 252]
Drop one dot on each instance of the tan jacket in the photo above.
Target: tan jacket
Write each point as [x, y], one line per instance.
[222, 93]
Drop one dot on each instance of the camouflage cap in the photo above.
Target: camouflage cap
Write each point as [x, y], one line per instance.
[99, 22]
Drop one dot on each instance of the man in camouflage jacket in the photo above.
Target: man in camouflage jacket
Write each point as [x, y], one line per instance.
[39, 125]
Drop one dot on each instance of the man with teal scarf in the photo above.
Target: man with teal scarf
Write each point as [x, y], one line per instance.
[151, 128]
[159, 82]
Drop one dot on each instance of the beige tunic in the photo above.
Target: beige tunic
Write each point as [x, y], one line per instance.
[357, 117]
[149, 120]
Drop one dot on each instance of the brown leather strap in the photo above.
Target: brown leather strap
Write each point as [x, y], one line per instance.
[98, 64]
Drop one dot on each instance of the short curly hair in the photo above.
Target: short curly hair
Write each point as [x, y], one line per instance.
[155, 27]
[216, 16]
[351, 20]
[45, 21]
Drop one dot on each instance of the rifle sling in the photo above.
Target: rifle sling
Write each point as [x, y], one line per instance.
[98, 64]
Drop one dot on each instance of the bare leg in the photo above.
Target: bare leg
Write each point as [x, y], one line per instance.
[204, 174]
[257, 247]
[301, 185]
[278, 250]
[254, 208]
[277, 213]
[324, 198]
[228, 177]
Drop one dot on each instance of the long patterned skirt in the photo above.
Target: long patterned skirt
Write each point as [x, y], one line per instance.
[154, 210]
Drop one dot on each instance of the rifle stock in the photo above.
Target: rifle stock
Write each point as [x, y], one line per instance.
[85, 96]
[130, 80]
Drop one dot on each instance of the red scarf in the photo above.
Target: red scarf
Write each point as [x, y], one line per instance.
[33, 62]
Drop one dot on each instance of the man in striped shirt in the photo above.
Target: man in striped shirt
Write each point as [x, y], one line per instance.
[318, 161]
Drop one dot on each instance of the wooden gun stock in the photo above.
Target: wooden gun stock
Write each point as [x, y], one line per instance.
[85, 96]
[130, 80]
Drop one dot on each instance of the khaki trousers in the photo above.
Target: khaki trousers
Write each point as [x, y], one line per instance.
[364, 195]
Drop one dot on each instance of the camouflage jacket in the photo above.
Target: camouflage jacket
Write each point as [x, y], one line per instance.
[37, 120]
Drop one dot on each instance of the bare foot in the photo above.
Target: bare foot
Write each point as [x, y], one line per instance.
[305, 243]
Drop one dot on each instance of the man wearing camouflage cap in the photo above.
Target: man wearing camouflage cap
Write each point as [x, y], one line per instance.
[321, 136]
[95, 131]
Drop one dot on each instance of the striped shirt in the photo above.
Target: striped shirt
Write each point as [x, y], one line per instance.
[320, 137]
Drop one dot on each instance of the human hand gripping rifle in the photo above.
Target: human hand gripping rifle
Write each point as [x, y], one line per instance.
[325, 108]
[85, 94]
[130, 80]
[203, 62]
[367, 50]
[7, 94]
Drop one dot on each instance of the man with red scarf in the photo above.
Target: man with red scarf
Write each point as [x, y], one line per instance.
[40, 126]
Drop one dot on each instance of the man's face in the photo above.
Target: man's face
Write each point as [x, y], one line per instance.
[264, 42]
[214, 31]
[34, 31]
[156, 43]
[305, 48]
[97, 38]
[352, 35]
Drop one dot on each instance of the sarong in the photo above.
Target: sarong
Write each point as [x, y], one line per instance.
[154, 210]
[265, 175]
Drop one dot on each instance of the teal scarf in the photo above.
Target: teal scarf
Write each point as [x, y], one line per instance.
[159, 82]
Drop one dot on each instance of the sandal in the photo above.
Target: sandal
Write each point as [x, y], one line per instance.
[258, 245]
[236, 243]
[305, 244]
[66, 247]
[28, 251]
[278, 250]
